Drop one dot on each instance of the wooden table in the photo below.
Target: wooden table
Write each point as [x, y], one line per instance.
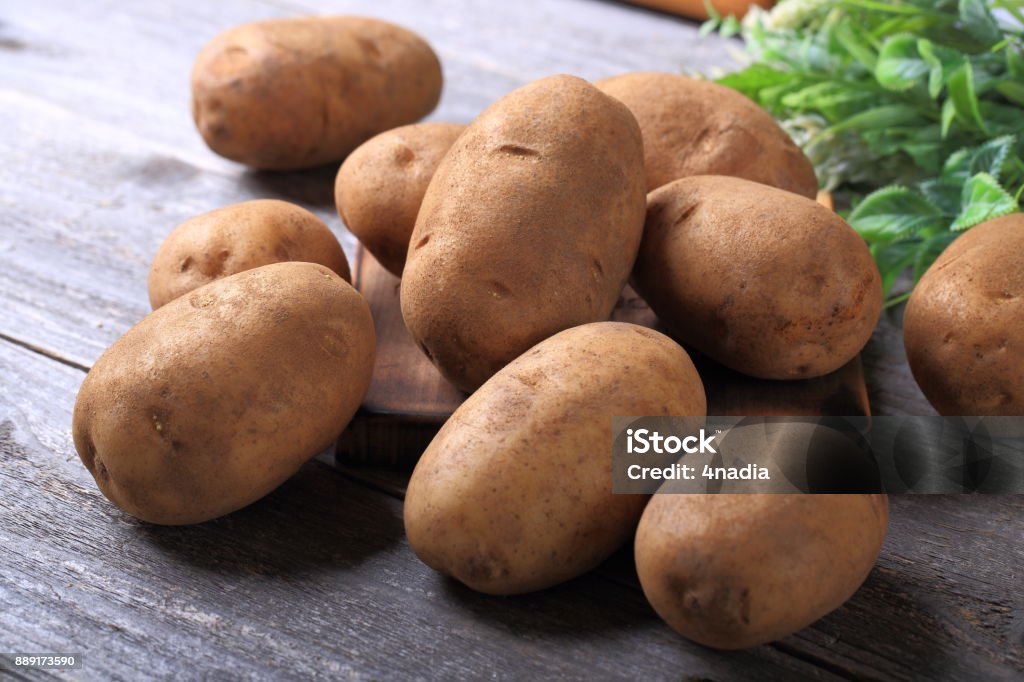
[100, 161]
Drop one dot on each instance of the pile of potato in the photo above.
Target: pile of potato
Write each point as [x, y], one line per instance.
[514, 237]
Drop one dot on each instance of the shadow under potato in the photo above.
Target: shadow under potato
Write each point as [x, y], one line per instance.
[585, 605]
[316, 519]
[310, 187]
[908, 638]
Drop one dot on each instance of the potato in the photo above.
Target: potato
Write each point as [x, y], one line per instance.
[294, 93]
[735, 571]
[964, 323]
[381, 185]
[515, 492]
[530, 226]
[766, 282]
[240, 237]
[216, 398]
[693, 127]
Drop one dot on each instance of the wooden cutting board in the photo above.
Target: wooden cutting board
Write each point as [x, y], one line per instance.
[697, 9]
[408, 400]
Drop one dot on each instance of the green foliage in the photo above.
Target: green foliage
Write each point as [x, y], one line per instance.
[911, 110]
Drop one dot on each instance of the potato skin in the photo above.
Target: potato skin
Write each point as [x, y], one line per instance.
[514, 494]
[766, 282]
[380, 186]
[529, 226]
[215, 399]
[963, 327]
[735, 571]
[294, 93]
[694, 127]
[240, 237]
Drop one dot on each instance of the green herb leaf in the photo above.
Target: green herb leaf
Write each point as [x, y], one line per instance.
[927, 155]
[944, 194]
[987, 158]
[753, 79]
[948, 115]
[1002, 119]
[1015, 60]
[834, 100]
[1012, 90]
[982, 199]
[978, 21]
[730, 26]
[709, 8]
[936, 77]
[929, 250]
[900, 66]
[942, 62]
[856, 44]
[920, 100]
[893, 259]
[880, 117]
[893, 213]
[960, 85]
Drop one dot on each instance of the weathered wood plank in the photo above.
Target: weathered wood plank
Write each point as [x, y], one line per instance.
[101, 161]
[891, 386]
[314, 581]
[105, 159]
[408, 399]
[107, 578]
[944, 602]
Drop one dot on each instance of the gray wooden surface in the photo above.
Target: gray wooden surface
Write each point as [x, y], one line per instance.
[101, 161]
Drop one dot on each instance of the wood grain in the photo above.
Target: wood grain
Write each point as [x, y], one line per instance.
[102, 151]
[409, 400]
[697, 9]
[316, 581]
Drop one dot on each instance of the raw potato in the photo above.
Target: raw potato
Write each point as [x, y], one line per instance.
[215, 399]
[694, 127]
[530, 226]
[514, 493]
[240, 237]
[735, 571]
[764, 281]
[964, 324]
[294, 93]
[381, 185]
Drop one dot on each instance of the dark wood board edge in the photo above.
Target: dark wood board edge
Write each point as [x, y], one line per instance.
[408, 400]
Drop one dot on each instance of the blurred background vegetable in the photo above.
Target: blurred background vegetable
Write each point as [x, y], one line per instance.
[912, 112]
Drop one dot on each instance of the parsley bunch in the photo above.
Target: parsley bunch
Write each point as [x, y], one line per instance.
[913, 110]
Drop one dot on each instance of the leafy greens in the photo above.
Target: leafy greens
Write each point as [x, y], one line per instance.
[912, 110]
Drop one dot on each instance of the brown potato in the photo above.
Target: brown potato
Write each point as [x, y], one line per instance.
[240, 237]
[735, 571]
[294, 93]
[694, 127]
[215, 399]
[964, 324]
[530, 226]
[381, 185]
[515, 492]
[766, 282]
